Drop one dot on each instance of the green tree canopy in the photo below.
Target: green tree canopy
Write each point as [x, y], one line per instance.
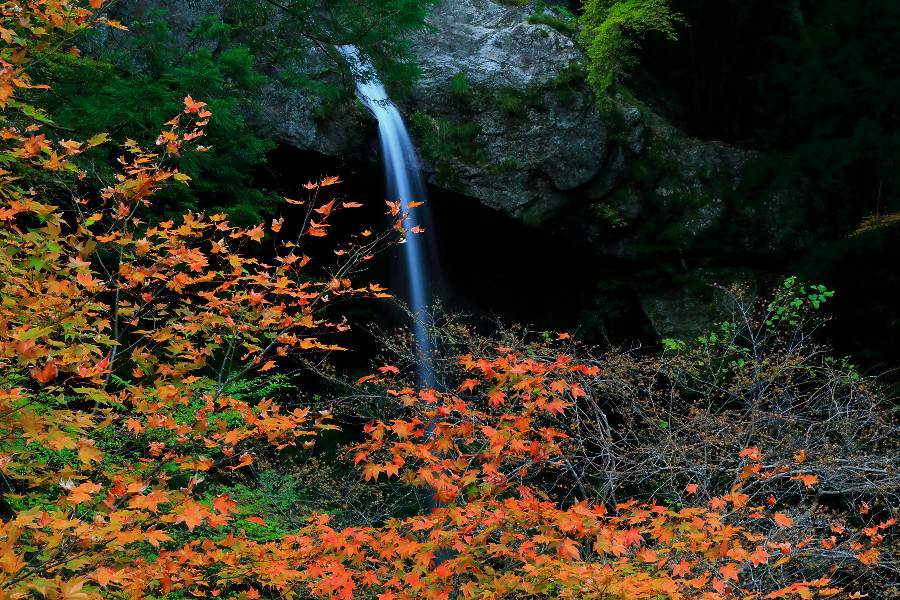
[127, 84]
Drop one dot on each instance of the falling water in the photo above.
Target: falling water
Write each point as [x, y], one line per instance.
[403, 177]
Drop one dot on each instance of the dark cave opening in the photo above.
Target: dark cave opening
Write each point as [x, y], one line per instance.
[486, 264]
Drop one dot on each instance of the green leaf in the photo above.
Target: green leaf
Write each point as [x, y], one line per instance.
[100, 138]
[37, 332]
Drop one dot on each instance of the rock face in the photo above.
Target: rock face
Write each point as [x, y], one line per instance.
[295, 118]
[622, 181]
[493, 44]
[539, 133]
[687, 310]
[501, 113]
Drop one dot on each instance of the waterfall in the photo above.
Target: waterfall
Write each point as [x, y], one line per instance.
[403, 178]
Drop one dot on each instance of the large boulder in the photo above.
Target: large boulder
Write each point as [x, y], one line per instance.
[699, 300]
[501, 112]
[493, 44]
[486, 68]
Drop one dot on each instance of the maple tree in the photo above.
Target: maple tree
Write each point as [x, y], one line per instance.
[119, 334]
[122, 341]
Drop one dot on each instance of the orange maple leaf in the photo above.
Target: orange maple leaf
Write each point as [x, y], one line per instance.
[468, 385]
[394, 207]
[807, 479]
[325, 209]
[256, 234]
[191, 514]
[869, 557]
[155, 536]
[83, 492]
[246, 460]
[191, 106]
[371, 471]
[782, 520]
[224, 504]
[45, 374]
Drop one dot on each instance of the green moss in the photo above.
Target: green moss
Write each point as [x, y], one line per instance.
[611, 30]
[507, 164]
[656, 180]
[561, 24]
[442, 139]
[444, 143]
[459, 85]
[568, 83]
[606, 211]
[513, 101]
[517, 102]
[533, 218]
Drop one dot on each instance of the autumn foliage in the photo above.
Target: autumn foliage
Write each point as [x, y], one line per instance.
[121, 340]
[485, 450]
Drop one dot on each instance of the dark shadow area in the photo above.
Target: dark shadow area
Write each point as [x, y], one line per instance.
[484, 263]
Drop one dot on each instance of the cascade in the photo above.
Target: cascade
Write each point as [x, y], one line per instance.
[404, 183]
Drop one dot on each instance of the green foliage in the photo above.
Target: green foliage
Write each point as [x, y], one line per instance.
[673, 345]
[131, 84]
[513, 101]
[258, 388]
[441, 139]
[459, 84]
[607, 214]
[792, 306]
[795, 299]
[295, 42]
[277, 495]
[611, 30]
[128, 91]
[379, 28]
[556, 16]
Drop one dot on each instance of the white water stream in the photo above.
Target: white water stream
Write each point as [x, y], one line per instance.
[403, 177]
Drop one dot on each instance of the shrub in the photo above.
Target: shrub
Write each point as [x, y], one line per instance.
[611, 30]
[754, 407]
